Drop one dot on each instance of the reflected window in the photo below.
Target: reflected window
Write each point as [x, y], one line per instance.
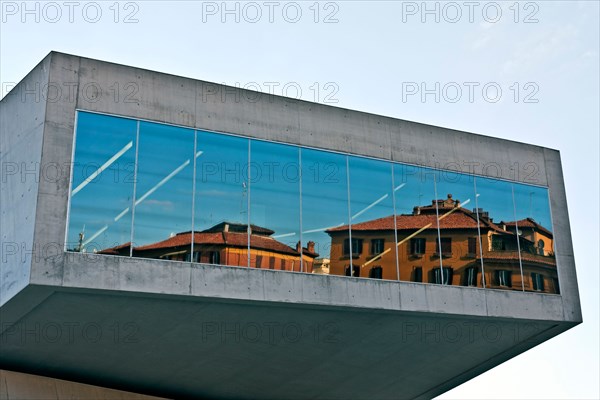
[502, 242]
[446, 247]
[471, 246]
[215, 257]
[538, 281]
[540, 247]
[377, 246]
[355, 271]
[417, 274]
[470, 277]
[195, 257]
[357, 245]
[417, 246]
[376, 272]
[259, 259]
[442, 278]
[503, 278]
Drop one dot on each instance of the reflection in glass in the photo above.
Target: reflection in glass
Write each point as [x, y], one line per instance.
[102, 186]
[204, 197]
[498, 254]
[275, 206]
[416, 224]
[325, 208]
[221, 200]
[372, 220]
[533, 225]
[459, 233]
[163, 203]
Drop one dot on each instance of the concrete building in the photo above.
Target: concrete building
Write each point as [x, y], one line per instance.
[99, 156]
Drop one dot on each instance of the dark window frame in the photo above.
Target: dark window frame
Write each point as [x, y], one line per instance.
[377, 244]
[376, 272]
[357, 244]
[437, 276]
[503, 277]
[417, 274]
[470, 276]
[537, 281]
[417, 246]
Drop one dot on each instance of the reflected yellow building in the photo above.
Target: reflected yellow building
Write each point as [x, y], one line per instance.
[457, 257]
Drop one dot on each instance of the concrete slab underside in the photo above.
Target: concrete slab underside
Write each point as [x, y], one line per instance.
[177, 346]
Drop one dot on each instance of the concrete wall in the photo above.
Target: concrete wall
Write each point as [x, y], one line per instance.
[22, 116]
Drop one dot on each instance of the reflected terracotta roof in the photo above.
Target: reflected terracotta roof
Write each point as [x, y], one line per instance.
[115, 250]
[529, 223]
[217, 235]
[461, 218]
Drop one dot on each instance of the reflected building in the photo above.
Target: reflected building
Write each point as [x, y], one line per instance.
[321, 266]
[226, 244]
[455, 257]
[179, 238]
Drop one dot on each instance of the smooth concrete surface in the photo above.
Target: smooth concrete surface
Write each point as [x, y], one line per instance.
[18, 386]
[22, 116]
[92, 271]
[170, 301]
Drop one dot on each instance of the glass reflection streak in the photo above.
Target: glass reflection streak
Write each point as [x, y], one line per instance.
[206, 197]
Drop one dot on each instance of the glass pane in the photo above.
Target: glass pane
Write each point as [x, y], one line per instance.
[163, 211]
[458, 229]
[221, 202]
[416, 222]
[275, 208]
[102, 188]
[536, 240]
[494, 208]
[325, 209]
[372, 215]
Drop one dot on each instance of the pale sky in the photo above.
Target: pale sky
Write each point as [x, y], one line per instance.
[380, 57]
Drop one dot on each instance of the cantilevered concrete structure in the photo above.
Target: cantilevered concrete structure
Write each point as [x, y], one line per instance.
[182, 329]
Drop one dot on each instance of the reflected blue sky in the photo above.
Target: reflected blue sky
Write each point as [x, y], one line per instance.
[103, 189]
[164, 182]
[275, 188]
[370, 189]
[221, 180]
[324, 196]
[101, 207]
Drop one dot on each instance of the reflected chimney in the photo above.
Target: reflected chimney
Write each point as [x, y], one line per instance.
[311, 246]
[485, 215]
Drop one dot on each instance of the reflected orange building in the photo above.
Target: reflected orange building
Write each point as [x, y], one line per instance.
[374, 246]
[227, 244]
